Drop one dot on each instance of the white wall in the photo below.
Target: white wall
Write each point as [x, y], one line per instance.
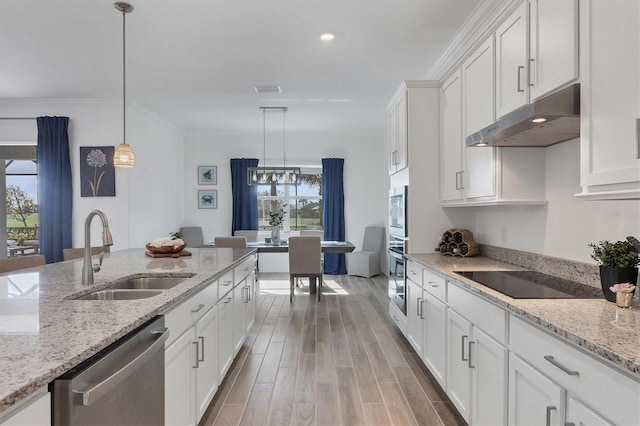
[365, 174]
[567, 224]
[145, 205]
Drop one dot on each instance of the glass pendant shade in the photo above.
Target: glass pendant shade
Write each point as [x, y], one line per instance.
[123, 156]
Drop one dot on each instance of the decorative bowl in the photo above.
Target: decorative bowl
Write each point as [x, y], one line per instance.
[165, 249]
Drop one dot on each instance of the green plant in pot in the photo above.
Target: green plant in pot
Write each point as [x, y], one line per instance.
[618, 264]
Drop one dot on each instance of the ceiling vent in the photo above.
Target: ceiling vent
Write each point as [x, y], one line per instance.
[267, 88]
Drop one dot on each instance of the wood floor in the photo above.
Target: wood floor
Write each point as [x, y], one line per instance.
[340, 361]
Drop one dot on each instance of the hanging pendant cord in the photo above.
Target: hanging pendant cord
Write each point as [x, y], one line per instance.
[284, 142]
[264, 138]
[124, 83]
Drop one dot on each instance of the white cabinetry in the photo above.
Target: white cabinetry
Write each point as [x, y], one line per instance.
[478, 112]
[225, 334]
[34, 410]
[553, 58]
[579, 414]
[206, 366]
[533, 398]
[458, 372]
[610, 99]
[451, 129]
[398, 132]
[435, 337]
[415, 319]
[606, 392]
[178, 378]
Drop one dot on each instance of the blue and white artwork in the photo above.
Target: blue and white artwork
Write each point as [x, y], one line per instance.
[208, 199]
[207, 175]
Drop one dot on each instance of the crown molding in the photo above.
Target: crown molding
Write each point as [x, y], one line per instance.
[476, 29]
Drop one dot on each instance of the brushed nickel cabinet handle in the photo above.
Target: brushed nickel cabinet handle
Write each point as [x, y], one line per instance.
[550, 408]
[197, 356]
[422, 308]
[462, 349]
[199, 308]
[201, 339]
[471, 342]
[552, 360]
[637, 137]
[418, 304]
[529, 83]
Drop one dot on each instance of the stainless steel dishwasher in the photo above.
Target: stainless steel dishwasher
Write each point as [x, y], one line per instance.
[121, 385]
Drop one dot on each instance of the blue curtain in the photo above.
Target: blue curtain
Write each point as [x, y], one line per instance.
[245, 197]
[55, 193]
[333, 212]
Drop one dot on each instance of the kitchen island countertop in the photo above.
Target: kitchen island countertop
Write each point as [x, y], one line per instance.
[595, 325]
[44, 333]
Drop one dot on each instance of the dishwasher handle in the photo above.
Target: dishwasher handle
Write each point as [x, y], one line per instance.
[94, 392]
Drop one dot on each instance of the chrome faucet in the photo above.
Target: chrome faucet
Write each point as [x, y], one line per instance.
[88, 269]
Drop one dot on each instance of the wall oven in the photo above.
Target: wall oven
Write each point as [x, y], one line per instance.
[398, 211]
[397, 272]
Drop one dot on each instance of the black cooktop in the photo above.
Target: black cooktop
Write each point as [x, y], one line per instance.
[532, 285]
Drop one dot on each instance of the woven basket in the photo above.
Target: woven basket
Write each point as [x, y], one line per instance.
[165, 249]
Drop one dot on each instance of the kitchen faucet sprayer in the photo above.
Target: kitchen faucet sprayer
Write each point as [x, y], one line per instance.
[107, 240]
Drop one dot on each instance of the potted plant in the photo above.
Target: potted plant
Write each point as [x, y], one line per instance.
[618, 264]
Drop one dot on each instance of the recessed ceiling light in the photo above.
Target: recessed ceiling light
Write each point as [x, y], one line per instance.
[267, 88]
[539, 120]
[327, 36]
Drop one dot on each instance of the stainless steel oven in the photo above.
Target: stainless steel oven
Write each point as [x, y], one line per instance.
[397, 272]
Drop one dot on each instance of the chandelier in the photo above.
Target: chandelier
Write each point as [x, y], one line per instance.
[123, 156]
[276, 175]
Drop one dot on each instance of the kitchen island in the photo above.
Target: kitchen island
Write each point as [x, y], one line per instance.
[44, 332]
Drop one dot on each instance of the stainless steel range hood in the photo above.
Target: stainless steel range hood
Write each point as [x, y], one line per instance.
[547, 121]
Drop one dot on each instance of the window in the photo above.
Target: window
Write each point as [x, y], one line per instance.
[303, 202]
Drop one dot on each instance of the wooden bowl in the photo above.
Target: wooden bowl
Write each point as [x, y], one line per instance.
[165, 249]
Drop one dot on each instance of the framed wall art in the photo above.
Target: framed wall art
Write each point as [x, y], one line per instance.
[207, 175]
[97, 174]
[208, 199]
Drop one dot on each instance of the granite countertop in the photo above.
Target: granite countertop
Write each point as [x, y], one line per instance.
[595, 325]
[43, 333]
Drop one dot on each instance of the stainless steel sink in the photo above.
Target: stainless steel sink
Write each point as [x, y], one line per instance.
[140, 283]
[119, 294]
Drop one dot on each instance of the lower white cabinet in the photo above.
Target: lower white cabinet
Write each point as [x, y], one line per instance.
[250, 311]
[225, 334]
[35, 410]
[178, 378]
[580, 414]
[458, 371]
[434, 353]
[533, 398]
[239, 309]
[415, 320]
[206, 360]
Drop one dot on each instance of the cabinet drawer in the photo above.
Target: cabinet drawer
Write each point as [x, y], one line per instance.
[244, 269]
[484, 315]
[181, 317]
[414, 272]
[435, 285]
[225, 284]
[399, 319]
[599, 385]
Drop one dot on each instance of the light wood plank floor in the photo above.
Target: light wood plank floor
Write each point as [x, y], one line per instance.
[340, 361]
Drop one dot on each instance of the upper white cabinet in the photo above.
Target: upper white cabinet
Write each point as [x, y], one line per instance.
[610, 99]
[451, 138]
[511, 62]
[477, 112]
[536, 52]
[553, 56]
[398, 132]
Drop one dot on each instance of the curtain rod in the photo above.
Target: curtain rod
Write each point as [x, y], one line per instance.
[18, 118]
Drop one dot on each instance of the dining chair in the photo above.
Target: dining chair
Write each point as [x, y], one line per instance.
[312, 233]
[230, 242]
[192, 236]
[366, 263]
[252, 235]
[21, 262]
[76, 253]
[305, 261]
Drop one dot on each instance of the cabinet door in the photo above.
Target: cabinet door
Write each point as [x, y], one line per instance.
[250, 313]
[413, 296]
[553, 45]
[392, 136]
[206, 333]
[458, 371]
[610, 89]
[533, 398]
[489, 364]
[451, 142]
[511, 62]
[579, 414]
[36, 412]
[435, 337]
[179, 362]
[477, 112]
[225, 334]
[402, 147]
[239, 310]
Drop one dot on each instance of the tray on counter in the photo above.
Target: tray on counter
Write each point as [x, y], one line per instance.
[175, 255]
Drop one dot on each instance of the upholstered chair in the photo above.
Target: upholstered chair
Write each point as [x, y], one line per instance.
[76, 253]
[366, 263]
[21, 262]
[192, 236]
[305, 261]
[251, 235]
[230, 242]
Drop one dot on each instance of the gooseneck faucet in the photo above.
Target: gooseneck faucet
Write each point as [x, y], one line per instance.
[88, 269]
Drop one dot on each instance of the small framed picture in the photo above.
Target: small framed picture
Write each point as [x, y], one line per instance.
[208, 199]
[207, 175]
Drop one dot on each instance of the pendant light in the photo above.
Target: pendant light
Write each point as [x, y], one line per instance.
[264, 175]
[123, 156]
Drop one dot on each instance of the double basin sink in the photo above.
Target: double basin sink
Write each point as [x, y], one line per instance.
[134, 288]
